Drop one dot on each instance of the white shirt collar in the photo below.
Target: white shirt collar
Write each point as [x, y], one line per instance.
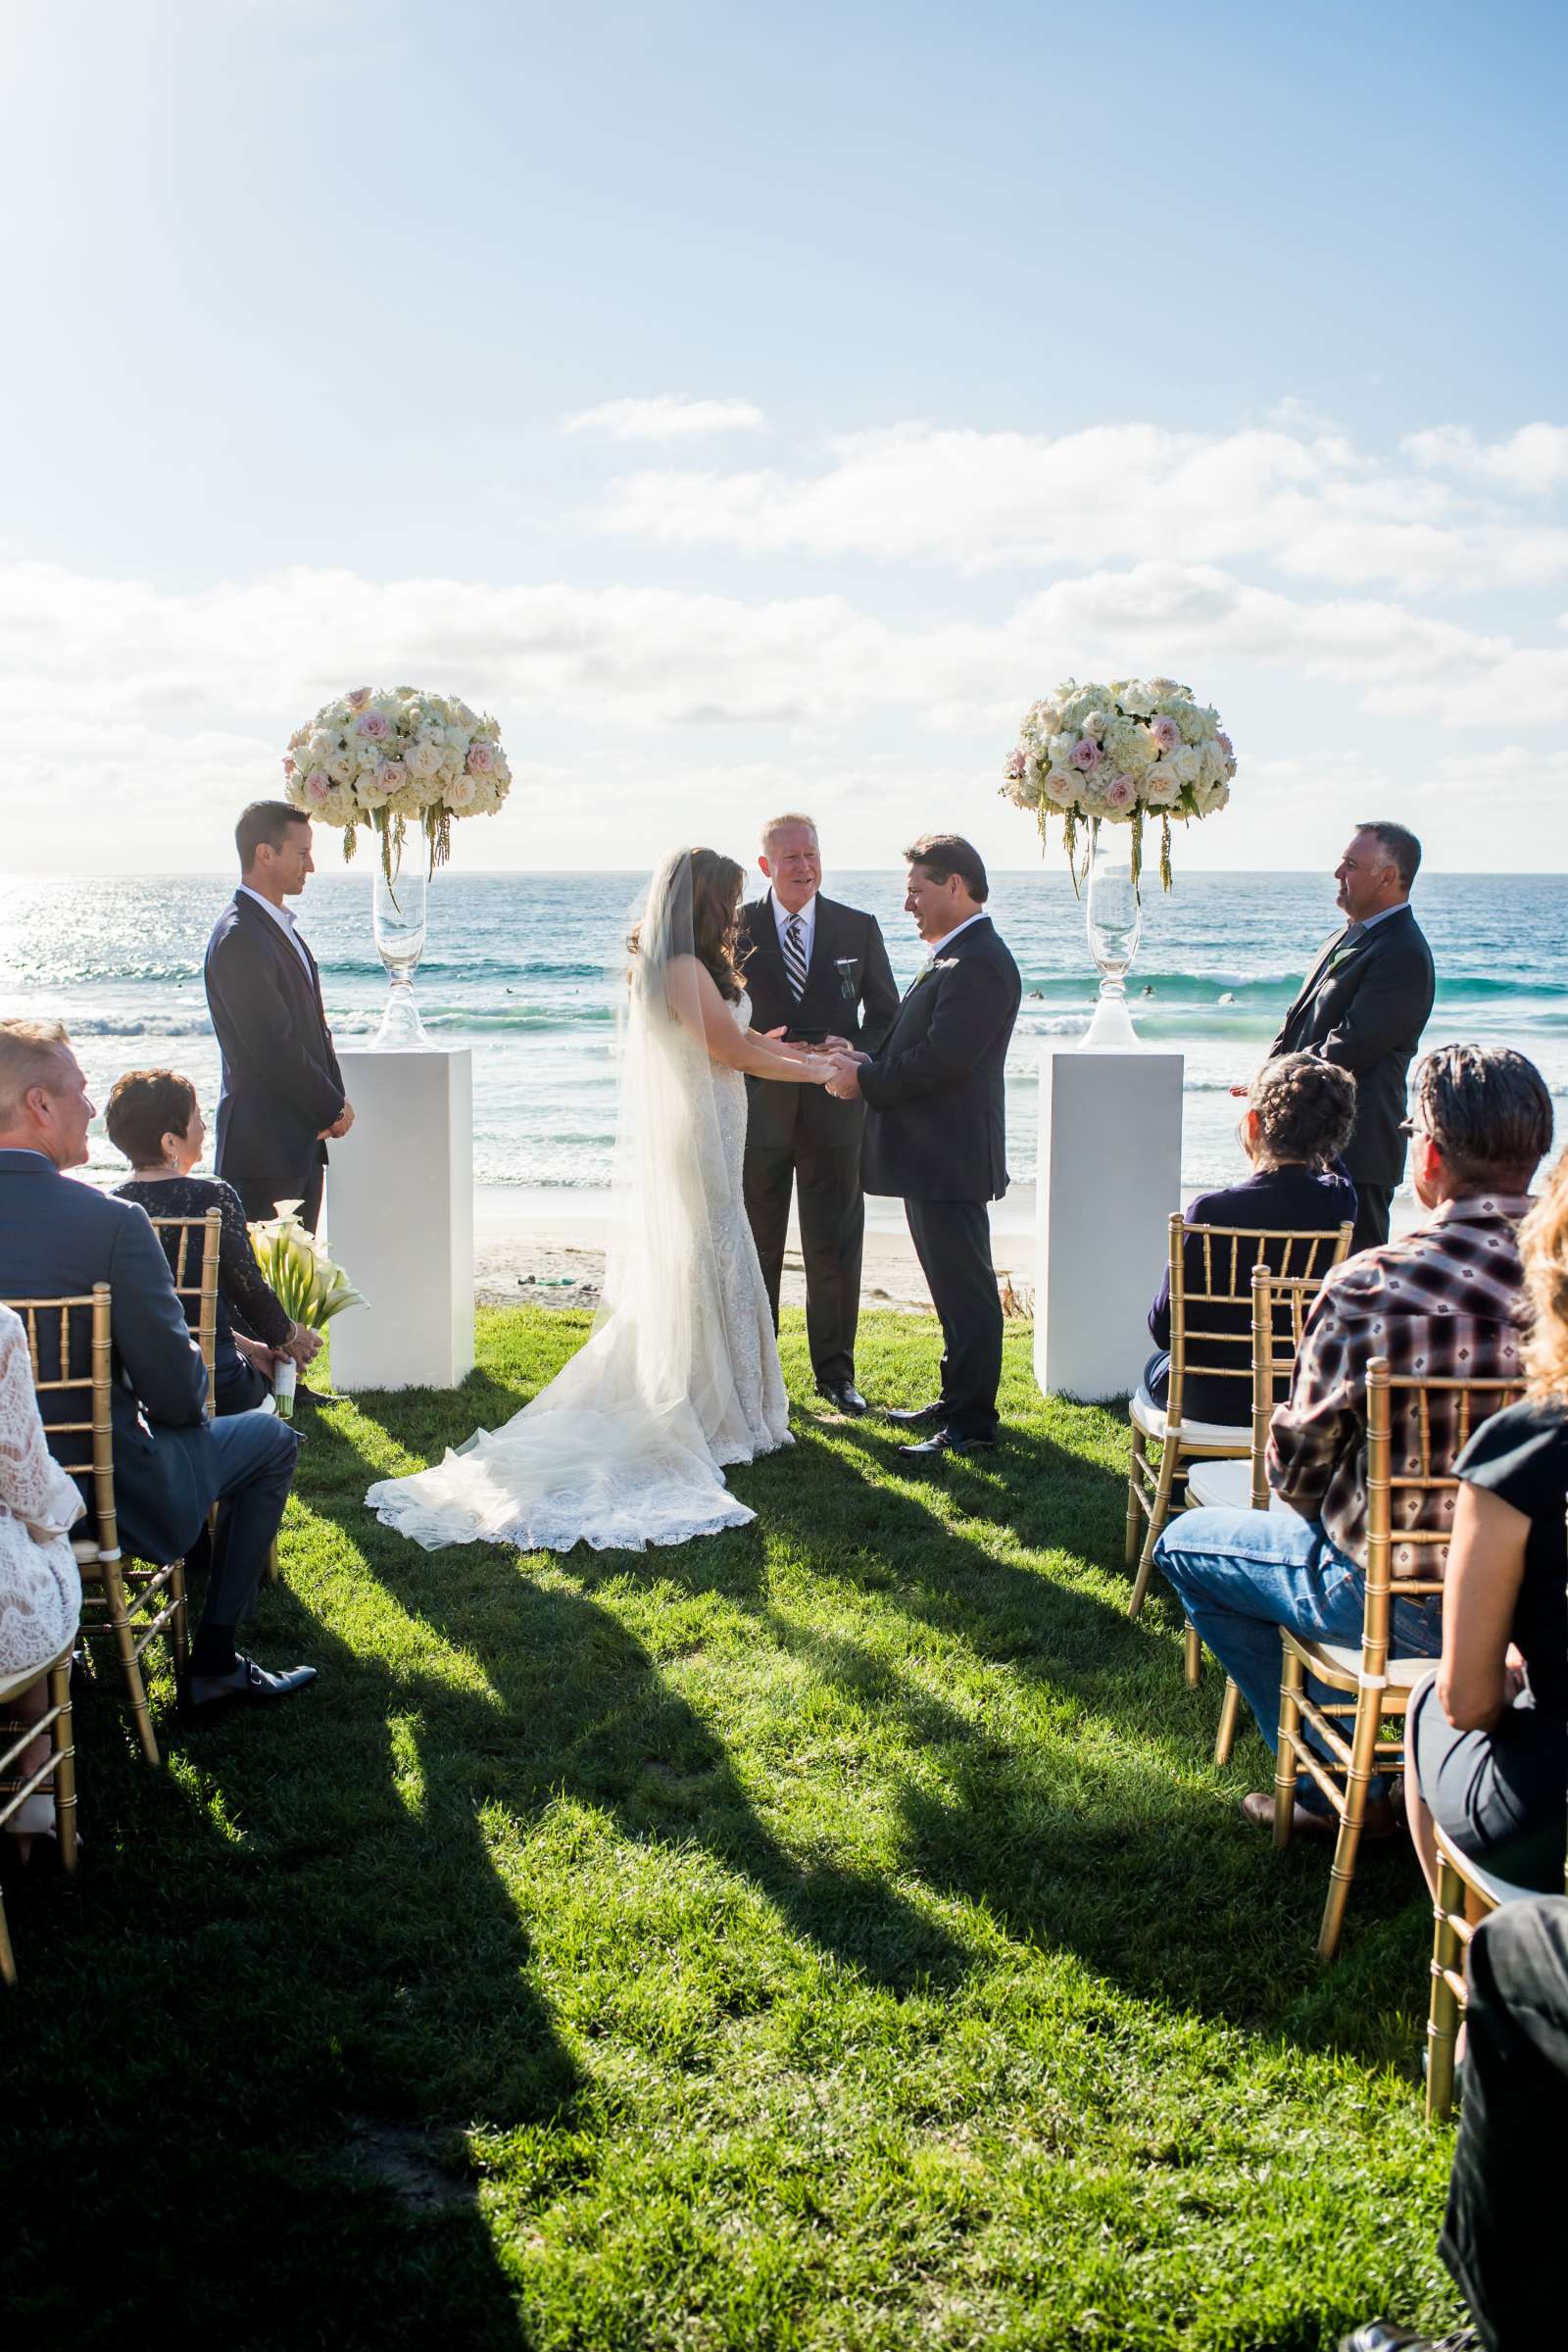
[940, 947]
[285, 921]
[806, 918]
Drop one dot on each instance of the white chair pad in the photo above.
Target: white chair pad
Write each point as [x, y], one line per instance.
[84, 1550]
[1228, 1486]
[1150, 1417]
[1345, 1657]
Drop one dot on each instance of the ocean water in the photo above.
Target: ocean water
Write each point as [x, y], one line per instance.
[525, 969]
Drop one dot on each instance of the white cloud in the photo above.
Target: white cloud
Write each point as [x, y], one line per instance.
[1303, 501]
[1534, 460]
[670, 416]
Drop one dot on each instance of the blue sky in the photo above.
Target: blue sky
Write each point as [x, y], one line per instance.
[919, 357]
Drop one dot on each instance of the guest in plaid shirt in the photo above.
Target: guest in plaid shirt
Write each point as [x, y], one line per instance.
[1444, 1302]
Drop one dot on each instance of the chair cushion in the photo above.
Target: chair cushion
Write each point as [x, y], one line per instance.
[84, 1550]
[1150, 1419]
[1496, 1890]
[1228, 1485]
[1345, 1657]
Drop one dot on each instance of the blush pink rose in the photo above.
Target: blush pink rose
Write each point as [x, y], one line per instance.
[1166, 733]
[391, 775]
[288, 767]
[318, 784]
[1017, 767]
[376, 725]
[481, 758]
[1120, 793]
[358, 698]
[1224, 742]
[1086, 755]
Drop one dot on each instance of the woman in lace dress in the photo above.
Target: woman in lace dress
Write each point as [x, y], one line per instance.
[41, 1589]
[680, 1374]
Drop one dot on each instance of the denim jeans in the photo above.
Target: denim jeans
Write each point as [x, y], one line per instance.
[1241, 1575]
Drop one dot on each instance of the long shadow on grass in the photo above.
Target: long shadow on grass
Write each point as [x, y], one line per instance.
[585, 1712]
[1105, 1834]
[290, 1975]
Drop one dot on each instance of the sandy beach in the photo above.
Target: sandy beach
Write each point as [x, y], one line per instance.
[541, 1249]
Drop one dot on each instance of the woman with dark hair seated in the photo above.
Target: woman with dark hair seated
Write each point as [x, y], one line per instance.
[1486, 1737]
[155, 1119]
[1299, 1116]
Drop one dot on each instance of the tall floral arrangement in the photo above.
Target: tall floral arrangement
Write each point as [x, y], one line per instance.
[396, 758]
[1126, 753]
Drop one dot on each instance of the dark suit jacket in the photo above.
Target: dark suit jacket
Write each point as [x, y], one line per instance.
[1278, 1199]
[935, 1093]
[57, 1238]
[280, 1080]
[1365, 1009]
[774, 1108]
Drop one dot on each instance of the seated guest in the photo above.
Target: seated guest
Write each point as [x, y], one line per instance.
[1300, 1113]
[1443, 1301]
[170, 1462]
[41, 1589]
[1502, 2236]
[1486, 1738]
[154, 1118]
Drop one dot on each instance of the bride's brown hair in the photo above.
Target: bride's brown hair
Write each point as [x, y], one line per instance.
[716, 883]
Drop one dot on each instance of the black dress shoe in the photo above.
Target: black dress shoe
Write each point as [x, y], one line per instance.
[916, 1416]
[209, 1697]
[932, 1449]
[844, 1395]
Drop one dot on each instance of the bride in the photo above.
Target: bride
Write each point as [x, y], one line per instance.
[680, 1373]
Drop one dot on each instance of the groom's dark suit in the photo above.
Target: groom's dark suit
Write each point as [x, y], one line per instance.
[280, 1080]
[935, 1136]
[799, 1134]
[1363, 1006]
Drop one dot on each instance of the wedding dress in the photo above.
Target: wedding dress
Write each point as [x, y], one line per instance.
[680, 1374]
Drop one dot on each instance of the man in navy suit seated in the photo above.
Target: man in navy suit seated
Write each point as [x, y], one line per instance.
[282, 1096]
[172, 1464]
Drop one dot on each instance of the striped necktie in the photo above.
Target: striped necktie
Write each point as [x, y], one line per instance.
[795, 957]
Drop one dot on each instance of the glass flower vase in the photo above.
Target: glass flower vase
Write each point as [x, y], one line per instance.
[1114, 919]
[398, 912]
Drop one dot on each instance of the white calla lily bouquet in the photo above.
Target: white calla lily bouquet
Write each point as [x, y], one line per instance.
[308, 1286]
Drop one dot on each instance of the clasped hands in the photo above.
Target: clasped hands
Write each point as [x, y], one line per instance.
[842, 1076]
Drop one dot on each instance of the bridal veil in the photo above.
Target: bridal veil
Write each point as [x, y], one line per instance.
[680, 1374]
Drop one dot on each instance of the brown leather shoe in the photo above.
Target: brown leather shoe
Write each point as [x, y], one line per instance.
[1377, 1822]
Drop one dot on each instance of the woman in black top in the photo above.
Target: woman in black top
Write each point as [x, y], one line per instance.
[1486, 1741]
[1299, 1112]
[154, 1118]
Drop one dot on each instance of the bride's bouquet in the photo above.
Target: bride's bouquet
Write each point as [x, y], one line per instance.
[394, 758]
[308, 1286]
[1137, 749]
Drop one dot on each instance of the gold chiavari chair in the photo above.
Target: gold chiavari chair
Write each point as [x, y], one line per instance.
[191, 1249]
[1374, 1685]
[1211, 1270]
[136, 1600]
[55, 1777]
[1281, 1304]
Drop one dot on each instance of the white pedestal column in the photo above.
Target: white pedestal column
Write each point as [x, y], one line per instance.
[1110, 1165]
[400, 1220]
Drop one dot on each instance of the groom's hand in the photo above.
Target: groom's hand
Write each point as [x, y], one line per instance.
[844, 1083]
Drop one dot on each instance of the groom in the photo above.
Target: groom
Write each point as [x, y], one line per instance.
[935, 1131]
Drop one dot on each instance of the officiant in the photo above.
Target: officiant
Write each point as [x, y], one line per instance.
[814, 969]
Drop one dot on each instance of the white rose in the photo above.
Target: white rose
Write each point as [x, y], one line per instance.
[461, 793]
[1162, 787]
[1097, 720]
[1061, 787]
[1060, 748]
[1136, 700]
[422, 759]
[1186, 766]
[1213, 759]
[343, 768]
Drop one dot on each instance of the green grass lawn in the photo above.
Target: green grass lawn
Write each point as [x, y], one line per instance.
[829, 1934]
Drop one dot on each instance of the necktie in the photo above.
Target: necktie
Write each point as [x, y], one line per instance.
[795, 957]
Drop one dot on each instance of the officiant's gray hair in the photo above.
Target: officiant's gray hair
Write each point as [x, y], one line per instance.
[791, 816]
[30, 1055]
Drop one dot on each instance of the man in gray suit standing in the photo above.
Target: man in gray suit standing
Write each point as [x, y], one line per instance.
[1365, 1004]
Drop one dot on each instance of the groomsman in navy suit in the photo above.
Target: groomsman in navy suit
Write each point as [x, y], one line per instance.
[814, 970]
[936, 1132]
[1365, 1004]
[282, 1096]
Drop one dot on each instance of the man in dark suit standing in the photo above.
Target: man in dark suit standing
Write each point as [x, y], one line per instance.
[814, 969]
[282, 1095]
[57, 1240]
[1365, 1004]
[936, 1133]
